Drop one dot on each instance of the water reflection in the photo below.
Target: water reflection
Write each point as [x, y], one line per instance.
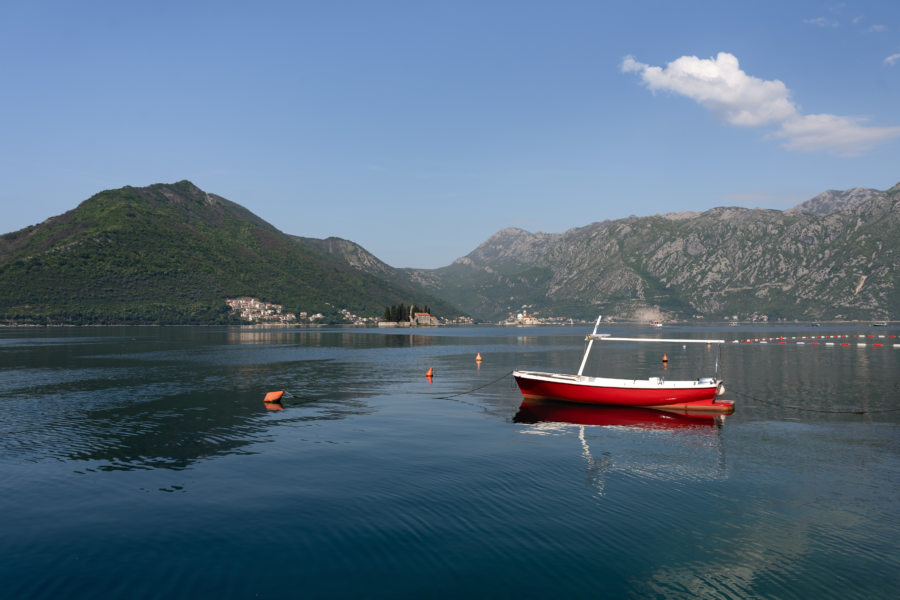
[532, 412]
[162, 403]
[671, 446]
[176, 432]
[327, 338]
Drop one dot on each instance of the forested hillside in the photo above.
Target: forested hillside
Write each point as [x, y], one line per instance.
[172, 254]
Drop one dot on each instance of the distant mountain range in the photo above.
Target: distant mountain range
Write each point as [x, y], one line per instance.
[832, 257]
[171, 253]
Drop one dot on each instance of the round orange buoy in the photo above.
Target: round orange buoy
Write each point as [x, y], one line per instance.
[665, 358]
[429, 372]
[478, 358]
[273, 396]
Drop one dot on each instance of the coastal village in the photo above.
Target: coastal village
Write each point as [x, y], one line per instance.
[258, 312]
[523, 319]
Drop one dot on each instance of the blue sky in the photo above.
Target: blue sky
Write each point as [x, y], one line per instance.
[418, 129]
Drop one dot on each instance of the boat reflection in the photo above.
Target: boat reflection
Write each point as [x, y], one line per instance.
[549, 411]
[671, 446]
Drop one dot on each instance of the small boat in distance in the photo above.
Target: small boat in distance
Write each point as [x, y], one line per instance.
[879, 324]
[655, 323]
[655, 392]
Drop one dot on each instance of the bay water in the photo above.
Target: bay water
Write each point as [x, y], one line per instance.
[143, 463]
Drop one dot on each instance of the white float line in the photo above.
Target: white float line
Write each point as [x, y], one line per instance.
[814, 340]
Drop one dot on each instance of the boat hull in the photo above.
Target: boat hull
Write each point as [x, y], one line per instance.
[651, 393]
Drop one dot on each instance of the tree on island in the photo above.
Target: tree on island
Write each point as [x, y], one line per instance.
[400, 312]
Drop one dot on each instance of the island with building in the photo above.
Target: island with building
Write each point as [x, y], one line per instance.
[400, 315]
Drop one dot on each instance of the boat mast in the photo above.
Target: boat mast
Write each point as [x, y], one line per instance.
[590, 343]
[718, 353]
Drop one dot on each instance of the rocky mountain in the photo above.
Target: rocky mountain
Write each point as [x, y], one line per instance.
[352, 254]
[172, 253]
[834, 201]
[835, 256]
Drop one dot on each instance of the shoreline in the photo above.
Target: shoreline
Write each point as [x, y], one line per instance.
[873, 323]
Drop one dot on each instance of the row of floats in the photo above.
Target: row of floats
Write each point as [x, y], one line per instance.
[874, 341]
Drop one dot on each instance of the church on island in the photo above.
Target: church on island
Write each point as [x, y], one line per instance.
[419, 319]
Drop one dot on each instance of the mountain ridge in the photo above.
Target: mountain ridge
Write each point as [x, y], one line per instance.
[172, 253]
[832, 201]
[835, 256]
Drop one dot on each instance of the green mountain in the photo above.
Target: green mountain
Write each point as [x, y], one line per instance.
[172, 254]
[836, 256]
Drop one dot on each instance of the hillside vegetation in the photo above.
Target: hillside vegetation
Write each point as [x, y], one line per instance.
[171, 253]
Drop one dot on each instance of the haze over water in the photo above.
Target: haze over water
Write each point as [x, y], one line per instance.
[143, 463]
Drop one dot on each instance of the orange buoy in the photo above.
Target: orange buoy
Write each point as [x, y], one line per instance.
[429, 372]
[665, 358]
[478, 358]
[273, 396]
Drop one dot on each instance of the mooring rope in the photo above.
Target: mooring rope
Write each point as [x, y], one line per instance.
[853, 411]
[288, 394]
[480, 387]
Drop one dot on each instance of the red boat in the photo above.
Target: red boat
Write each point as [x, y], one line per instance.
[655, 392]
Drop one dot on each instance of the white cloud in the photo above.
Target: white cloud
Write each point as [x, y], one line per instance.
[890, 60]
[876, 28]
[721, 86]
[842, 135]
[724, 89]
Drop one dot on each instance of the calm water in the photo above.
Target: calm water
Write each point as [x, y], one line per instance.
[143, 463]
